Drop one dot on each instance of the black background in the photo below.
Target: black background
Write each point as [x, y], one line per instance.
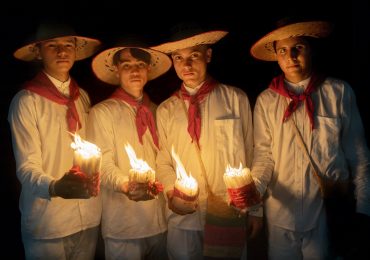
[345, 54]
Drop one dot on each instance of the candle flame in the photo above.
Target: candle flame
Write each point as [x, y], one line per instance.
[230, 171]
[84, 148]
[136, 163]
[186, 180]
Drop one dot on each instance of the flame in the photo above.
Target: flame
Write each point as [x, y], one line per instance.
[84, 148]
[136, 163]
[183, 178]
[230, 171]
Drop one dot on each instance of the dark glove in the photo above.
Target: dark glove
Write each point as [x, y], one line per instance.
[71, 186]
[139, 191]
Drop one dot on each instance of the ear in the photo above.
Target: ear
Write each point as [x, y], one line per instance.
[36, 50]
[208, 55]
[116, 72]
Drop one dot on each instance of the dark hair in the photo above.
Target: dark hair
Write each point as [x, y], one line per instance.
[136, 53]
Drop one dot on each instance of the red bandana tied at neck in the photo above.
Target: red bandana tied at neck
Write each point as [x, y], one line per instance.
[194, 118]
[278, 86]
[42, 86]
[144, 117]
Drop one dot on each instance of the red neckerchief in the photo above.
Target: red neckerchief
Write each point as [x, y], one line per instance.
[279, 87]
[194, 118]
[42, 86]
[144, 117]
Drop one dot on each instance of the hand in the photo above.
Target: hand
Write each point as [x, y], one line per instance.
[173, 207]
[139, 191]
[72, 186]
[254, 226]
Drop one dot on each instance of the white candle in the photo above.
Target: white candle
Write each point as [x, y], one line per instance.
[237, 177]
[140, 172]
[184, 182]
[86, 155]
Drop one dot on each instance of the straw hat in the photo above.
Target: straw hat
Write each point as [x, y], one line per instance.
[263, 49]
[104, 69]
[189, 36]
[85, 47]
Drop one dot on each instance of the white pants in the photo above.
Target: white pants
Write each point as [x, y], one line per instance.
[287, 244]
[153, 247]
[78, 246]
[184, 244]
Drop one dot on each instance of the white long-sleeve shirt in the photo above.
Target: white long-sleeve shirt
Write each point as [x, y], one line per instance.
[41, 144]
[111, 126]
[337, 145]
[226, 138]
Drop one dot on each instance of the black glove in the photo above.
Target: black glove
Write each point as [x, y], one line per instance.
[139, 191]
[70, 186]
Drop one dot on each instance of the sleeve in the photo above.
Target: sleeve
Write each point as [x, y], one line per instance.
[263, 163]
[100, 131]
[356, 151]
[165, 172]
[27, 145]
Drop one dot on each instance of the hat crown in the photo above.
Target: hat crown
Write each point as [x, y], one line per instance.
[185, 30]
[47, 31]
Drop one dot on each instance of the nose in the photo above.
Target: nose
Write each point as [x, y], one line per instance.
[293, 53]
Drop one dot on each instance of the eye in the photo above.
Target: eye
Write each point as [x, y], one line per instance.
[195, 55]
[176, 58]
[300, 47]
[142, 65]
[125, 66]
[281, 51]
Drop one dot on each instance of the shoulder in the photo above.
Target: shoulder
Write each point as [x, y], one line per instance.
[168, 104]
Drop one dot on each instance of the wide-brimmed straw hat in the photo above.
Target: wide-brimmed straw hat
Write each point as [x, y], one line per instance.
[189, 36]
[104, 69]
[263, 49]
[85, 46]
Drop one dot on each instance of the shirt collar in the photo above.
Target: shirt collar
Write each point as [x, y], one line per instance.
[193, 91]
[63, 87]
[297, 88]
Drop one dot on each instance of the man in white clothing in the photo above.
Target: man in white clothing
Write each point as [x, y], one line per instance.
[59, 220]
[133, 223]
[304, 104]
[209, 119]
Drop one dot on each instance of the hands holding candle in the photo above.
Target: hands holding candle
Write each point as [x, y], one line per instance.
[183, 199]
[241, 188]
[86, 164]
[142, 184]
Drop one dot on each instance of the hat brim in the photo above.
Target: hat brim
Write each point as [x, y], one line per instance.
[103, 68]
[199, 39]
[263, 49]
[85, 47]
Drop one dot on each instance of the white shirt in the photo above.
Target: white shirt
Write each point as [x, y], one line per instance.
[226, 138]
[112, 125]
[337, 146]
[41, 143]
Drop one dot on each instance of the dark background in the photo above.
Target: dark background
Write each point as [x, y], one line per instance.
[345, 54]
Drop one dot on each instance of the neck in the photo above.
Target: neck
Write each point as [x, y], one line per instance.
[136, 94]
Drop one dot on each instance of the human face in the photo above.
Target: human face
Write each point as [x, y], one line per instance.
[132, 72]
[294, 58]
[58, 56]
[191, 64]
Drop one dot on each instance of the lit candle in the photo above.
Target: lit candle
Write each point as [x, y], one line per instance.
[140, 172]
[86, 155]
[186, 188]
[241, 188]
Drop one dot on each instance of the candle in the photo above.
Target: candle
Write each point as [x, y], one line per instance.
[86, 155]
[186, 188]
[140, 172]
[241, 188]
